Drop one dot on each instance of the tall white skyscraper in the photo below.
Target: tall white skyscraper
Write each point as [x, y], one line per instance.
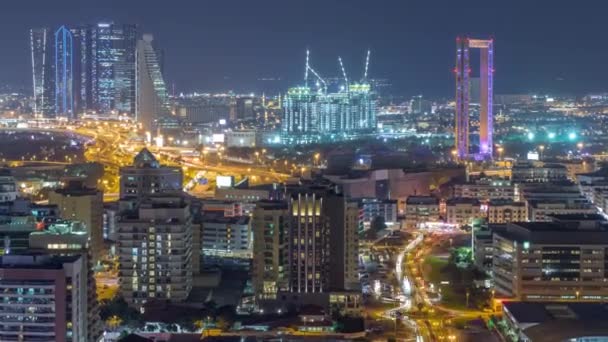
[151, 91]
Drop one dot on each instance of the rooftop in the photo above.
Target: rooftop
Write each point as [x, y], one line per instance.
[271, 204]
[35, 261]
[422, 200]
[462, 200]
[559, 321]
[504, 201]
[218, 217]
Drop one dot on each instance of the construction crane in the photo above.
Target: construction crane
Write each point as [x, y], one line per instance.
[309, 68]
[306, 68]
[366, 66]
[343, 71]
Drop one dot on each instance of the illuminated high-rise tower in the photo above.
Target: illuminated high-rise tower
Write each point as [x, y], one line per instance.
[152, 100]
[486, 75]
[38, 46]
[64, 73]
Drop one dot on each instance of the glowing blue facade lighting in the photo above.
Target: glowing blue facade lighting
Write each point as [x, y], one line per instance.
[572, 136]
[64, 72]
[530, 136]
[551, 135]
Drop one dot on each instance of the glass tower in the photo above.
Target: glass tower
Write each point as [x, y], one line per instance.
[64, 73]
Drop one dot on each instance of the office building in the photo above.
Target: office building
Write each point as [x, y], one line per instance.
[561, 260]
[70, 238]
[462, 211]
[505, 211]
[309, 250]
[147, 177]
[554, 321]
[486, 189]
[8, 189]
[152, 100]
[528, 172]
[114, 58]
[78, 202]
[39, 42]
[541, 209]
[245, 108]
[226, 237]
[50, 292]
[591, 182]
[463, 98]
[270, 227]
[372, 208]
[421, 209]
[243, 138]
[64, 73]
[154, 247]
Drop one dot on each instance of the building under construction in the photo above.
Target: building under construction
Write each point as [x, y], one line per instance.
[312, 114]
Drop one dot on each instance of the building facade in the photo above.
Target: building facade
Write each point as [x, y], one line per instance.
[147, 177]
[551, 261]
[505, 211]
[154, 247]
[152, 99]
[420, 209]
[64, 73]
[77, 202]
[51, 291]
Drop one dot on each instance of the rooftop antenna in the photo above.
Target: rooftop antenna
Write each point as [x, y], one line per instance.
[307, 67]
[343, 71]
[366, 65]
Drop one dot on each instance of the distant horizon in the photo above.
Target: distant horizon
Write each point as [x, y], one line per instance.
[541, 47]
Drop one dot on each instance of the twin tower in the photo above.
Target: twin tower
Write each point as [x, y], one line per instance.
[463, 97]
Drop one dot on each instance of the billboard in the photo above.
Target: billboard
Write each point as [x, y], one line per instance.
[217, 138]
[224, 181]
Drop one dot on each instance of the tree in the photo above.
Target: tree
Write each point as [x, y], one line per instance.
[378, 224]
[223, 323]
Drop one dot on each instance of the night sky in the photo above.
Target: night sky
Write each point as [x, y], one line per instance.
[541, 46]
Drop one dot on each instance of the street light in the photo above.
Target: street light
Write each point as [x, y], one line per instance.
[541, 148]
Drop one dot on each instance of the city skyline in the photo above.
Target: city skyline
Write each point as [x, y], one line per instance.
[411, 43]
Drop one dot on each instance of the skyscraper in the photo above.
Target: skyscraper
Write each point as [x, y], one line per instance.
[151, 91]
[64, 73]
[113, 73]
[463, 98]
[305, 249]
[155, 233]
[38, 46]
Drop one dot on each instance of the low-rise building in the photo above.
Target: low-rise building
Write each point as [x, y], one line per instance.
[371, 208]
[542, 209]
[243, 138]
[226, 237]
[505, 211]
[551, 261]
[529, 172]
[420, 209]
[555, 321]
[461, 211]
[483, 249]
[486, 189]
